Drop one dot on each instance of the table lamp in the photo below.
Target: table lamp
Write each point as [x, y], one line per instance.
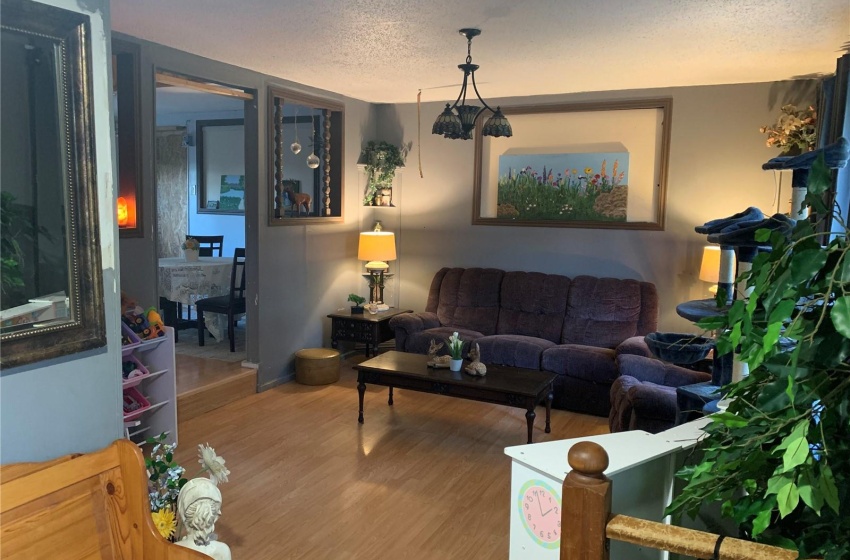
[709, 270]
[376, 247]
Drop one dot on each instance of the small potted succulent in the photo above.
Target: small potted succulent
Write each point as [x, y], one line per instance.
[357, 308]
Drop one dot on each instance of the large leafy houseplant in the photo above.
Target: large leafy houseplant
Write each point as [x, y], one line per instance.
[381, 159]
[778, 460]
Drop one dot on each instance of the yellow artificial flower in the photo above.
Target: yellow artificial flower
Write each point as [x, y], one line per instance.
[165, 522]
[588, 170]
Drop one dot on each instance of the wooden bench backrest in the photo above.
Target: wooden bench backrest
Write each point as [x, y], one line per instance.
[82, 506]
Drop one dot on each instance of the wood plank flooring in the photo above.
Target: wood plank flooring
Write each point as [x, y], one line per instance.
[425, 478]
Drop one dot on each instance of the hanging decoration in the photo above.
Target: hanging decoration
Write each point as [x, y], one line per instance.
[295, 146]
[313, 159]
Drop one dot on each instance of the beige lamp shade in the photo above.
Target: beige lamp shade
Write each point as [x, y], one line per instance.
[377, 247]
[709, 271]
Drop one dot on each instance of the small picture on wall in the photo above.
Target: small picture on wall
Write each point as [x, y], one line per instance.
[212, 204]
[232, 192]
[564, 186]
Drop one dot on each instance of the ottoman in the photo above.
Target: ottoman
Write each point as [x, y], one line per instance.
[317, 366]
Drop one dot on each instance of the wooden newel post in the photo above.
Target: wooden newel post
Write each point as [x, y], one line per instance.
[586, 504]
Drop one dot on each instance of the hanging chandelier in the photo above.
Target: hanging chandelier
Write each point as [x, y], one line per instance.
[458, 120]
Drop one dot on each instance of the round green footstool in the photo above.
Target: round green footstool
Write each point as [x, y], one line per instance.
[317, 366]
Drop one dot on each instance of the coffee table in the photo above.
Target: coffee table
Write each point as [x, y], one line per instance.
[510, 386]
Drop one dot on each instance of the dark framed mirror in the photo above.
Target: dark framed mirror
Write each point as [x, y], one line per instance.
[306, 137]
[220, 160]
[52, 284]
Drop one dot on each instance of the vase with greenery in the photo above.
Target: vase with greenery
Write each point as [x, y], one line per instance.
[778, 459]
[381, 159]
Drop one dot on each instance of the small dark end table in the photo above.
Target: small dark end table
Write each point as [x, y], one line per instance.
[364, 328]
[691, 399]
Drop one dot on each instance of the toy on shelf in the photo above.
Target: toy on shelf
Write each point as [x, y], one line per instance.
[154, 319]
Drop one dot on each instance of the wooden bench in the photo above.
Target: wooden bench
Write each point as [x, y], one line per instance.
[82, 507]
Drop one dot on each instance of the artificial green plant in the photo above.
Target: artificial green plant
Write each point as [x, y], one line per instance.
[778, 459]
[381, 159]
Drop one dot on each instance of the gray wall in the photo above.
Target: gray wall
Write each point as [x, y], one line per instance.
[73, 403]
[715, 170]
[296, 274]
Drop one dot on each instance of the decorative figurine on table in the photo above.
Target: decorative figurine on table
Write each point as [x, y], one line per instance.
[199, 507]
[435, 361]
[476, 367]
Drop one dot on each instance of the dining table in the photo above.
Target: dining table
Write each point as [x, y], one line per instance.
[186, 282]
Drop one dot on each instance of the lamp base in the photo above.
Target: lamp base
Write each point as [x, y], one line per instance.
[376, 286]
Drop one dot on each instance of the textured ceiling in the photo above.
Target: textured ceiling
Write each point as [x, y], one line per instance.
[386, 50]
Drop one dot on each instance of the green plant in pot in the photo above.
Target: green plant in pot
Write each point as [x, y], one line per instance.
[381, 159]
[358, 302]
[778, 459]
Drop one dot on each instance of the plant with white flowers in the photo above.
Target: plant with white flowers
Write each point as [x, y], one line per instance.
[455, 346]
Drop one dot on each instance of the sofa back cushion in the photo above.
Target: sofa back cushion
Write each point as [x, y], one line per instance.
[466, 298]
[604, 312]
[533, 304]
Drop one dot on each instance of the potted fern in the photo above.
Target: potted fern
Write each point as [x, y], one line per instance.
[381, 160]
[778, 459]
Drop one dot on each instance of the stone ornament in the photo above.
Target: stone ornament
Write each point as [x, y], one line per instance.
[199, 507]
[475, 367]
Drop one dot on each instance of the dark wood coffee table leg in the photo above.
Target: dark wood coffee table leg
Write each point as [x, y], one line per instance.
[361, 390]
[390, 400]
[549, 398]
[530, 415]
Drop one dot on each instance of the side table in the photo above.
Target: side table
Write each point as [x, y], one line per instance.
[691, 399]
[365, 328]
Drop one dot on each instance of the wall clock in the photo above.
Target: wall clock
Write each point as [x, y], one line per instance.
[540, 510]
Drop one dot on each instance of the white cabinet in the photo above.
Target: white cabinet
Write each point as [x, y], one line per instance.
[157, 385]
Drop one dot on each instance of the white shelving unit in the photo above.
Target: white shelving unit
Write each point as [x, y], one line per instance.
[159, 387]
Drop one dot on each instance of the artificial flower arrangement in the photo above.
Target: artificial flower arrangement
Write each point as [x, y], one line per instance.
[191, 244]
[794, 129]
[455, 346]
[165, 479]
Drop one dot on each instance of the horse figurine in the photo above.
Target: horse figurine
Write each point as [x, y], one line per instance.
[298, 200]
[476, 367]
[435, 361]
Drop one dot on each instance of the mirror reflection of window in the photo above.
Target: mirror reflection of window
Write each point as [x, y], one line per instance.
[307, 159]
[33, 240]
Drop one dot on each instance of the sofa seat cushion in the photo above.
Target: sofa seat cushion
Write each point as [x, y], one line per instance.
[420, 342]
[589, 363]
[513, 350]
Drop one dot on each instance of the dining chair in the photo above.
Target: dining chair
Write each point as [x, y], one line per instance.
[209, 244]
[232, 304]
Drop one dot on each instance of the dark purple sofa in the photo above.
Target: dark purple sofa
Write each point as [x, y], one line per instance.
[573, 327]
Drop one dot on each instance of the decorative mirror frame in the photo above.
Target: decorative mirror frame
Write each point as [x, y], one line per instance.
[85, 329]
[587, 114]
[334, 157]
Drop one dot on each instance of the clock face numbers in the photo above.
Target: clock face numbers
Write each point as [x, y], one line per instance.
[540, 510]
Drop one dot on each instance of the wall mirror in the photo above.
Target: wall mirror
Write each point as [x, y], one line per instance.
[588, 165]
[52, 286]
[220, 153]
[306, 136]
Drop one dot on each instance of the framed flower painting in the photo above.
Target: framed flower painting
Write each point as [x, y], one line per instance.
[589, 165]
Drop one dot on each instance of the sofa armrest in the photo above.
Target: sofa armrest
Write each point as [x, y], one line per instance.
[405, 324]
[658, 372]
[635, 346]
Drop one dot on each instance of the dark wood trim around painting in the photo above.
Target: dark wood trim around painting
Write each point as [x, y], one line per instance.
[665, 104]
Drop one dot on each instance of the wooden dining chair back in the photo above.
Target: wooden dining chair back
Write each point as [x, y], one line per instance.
[210, 245]
[231, 305]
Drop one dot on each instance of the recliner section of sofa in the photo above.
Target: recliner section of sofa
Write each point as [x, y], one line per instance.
[575, 328]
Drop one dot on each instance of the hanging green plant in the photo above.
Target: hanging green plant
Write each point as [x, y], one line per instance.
[778, 459]
[381, 159]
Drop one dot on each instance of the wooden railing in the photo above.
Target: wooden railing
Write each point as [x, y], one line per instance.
[588, 524]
